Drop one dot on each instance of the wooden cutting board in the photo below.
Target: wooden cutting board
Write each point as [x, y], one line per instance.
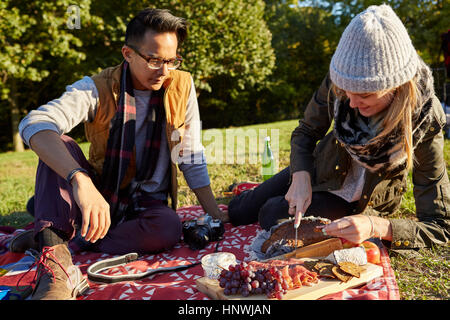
[325, 286]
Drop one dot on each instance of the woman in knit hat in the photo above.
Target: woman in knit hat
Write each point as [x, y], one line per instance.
[376, 118]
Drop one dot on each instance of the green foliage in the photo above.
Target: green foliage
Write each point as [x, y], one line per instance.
[252, 61]
[425, 20]
[225, 38]
[304, 39]
[37, 52]
[31, 33]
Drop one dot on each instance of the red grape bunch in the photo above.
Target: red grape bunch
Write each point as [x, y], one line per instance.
[243, 279]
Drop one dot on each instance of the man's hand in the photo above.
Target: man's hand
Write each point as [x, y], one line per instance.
[222, 215]
[206, 198]
[94, 209]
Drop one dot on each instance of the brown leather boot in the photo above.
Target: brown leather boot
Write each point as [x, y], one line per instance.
[23, 242]
[58, 278]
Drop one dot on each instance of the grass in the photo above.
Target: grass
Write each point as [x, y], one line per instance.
[424, 277]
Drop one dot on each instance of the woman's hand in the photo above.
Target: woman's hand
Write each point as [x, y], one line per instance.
[299, 194]
[94, 208]
[359, 228]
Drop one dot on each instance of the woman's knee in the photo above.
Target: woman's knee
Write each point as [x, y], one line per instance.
[272, 211]
[241, 211]
[244, 208]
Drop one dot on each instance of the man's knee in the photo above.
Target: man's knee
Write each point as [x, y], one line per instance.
[171, 232]
[74, 149]
[164, 234]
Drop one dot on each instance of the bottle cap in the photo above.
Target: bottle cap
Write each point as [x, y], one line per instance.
[267, 138]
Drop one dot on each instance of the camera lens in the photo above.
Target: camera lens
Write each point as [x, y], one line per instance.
[217, 230]
[198, 233]
[196, 238]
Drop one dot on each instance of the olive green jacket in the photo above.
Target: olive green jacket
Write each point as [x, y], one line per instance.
[328, 162]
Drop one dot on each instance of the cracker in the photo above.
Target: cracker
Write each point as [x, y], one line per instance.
[321, 264]
[310, 265]
[351, 268]
[341, 275]
[327, 271]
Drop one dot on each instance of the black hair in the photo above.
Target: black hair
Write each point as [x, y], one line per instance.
[159, 20]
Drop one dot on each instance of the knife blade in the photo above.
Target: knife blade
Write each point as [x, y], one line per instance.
[296, 225]
[296, 236]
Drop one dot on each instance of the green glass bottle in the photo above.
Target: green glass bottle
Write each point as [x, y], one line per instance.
[268, 162]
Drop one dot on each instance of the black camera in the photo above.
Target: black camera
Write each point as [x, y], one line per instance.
[199, 232]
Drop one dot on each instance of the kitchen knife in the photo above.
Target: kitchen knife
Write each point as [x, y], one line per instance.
[296, 225]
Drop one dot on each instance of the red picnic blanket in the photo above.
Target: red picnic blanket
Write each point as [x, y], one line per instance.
[177, 285]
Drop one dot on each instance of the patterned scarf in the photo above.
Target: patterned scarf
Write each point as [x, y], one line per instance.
[356, 131]
[120, 147]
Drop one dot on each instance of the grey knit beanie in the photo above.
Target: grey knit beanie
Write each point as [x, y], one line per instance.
[374, 53]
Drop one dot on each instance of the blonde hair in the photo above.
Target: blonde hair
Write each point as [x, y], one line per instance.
[399, 114]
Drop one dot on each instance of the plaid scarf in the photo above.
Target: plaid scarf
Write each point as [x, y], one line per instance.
[120, 147]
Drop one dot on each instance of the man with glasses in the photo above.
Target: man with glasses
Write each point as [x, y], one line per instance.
[142, 120]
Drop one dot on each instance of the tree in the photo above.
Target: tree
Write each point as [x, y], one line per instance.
[230, 55]
[34, 38]
[304, 38]
[425, 20]
[306, 33]
[228, 49]
[225, 37]
[228, 45]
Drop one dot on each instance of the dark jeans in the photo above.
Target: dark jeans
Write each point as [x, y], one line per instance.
[266, 204]
[156, 229]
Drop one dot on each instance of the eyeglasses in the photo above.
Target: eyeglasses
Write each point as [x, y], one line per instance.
[157, 63]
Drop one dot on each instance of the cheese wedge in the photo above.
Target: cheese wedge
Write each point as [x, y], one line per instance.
[357, 255]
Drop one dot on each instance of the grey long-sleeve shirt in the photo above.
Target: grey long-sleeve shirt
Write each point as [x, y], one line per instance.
[79, 104]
